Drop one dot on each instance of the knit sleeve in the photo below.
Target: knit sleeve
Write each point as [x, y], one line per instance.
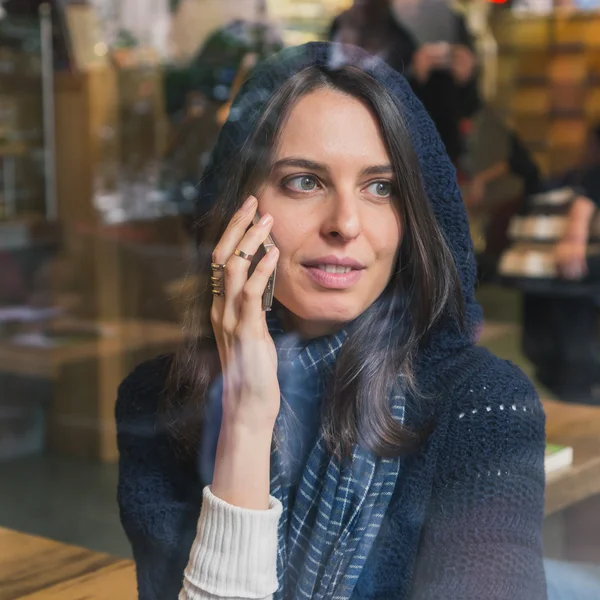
[234, 555]
[159, 502]
[483, 533]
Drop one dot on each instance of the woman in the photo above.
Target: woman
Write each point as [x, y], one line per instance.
[404, 461]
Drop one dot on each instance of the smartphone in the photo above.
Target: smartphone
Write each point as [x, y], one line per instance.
[443, 54]
[266, 246]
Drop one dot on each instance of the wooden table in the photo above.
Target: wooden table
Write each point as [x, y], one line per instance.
[34, 568]
[577, 426]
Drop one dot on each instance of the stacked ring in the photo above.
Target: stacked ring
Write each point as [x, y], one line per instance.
[217, 283]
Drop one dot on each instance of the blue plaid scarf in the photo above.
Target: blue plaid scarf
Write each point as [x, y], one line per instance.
[332, 510]
[329, 525]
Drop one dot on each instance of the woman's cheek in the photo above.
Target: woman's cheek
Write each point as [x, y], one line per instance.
[283, 231]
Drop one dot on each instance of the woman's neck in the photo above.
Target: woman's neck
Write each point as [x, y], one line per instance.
[309, 330]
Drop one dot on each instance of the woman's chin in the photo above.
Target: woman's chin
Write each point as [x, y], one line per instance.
[327, 315]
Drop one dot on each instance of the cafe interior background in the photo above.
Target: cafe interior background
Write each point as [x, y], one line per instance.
[108, 110]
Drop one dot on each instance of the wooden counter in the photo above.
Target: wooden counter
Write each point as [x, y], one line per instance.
[577, 426]
[34, 568]
[85, 375]
[114, 338]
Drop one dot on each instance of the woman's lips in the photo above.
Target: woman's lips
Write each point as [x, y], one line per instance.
[334, 281]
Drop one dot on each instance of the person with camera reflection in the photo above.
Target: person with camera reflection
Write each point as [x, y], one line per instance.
[430, 44]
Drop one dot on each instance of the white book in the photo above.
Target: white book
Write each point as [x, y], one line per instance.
[557, 457]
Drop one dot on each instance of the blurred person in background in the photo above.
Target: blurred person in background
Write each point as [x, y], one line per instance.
[356, 443]
[430, 44]
[560, 323]
[561, 329]
[584, 179]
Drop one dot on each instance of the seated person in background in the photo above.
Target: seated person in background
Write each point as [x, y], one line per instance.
[560, 330]
[584, 179]
[429, 43]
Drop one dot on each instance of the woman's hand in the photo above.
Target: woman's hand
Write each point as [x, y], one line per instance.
[475, 193]
[249, 364]
[572, 249]
[462, 64]
[246, 349]
[571, 258]
[424, 61]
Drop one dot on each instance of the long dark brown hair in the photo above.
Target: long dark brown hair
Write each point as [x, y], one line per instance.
[377, 357]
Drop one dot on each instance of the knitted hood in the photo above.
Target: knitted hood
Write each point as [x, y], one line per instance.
[439, 175]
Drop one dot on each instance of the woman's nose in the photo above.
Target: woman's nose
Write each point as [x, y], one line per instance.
[343, 218]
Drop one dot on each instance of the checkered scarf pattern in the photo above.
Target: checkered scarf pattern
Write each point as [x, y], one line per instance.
[326, 533]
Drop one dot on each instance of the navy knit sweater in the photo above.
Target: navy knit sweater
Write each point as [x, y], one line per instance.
[466, 517]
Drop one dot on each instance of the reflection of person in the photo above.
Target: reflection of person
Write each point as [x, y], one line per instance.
[358, 442]
[212, 71]
[431, 45]
[198, 95]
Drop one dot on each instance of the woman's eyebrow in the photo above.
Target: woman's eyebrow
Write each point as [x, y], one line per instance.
[378, 170]
[301, 163]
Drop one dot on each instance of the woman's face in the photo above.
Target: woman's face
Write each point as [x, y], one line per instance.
[330, 193]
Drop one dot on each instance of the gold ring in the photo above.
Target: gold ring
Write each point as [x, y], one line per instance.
[217, 286]
[243, 255]
[217, 267]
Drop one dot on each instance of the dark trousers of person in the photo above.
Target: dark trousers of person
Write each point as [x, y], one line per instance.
[560, 337]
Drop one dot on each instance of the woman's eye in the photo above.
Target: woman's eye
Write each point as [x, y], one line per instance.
[381, 189]
[305, 183]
